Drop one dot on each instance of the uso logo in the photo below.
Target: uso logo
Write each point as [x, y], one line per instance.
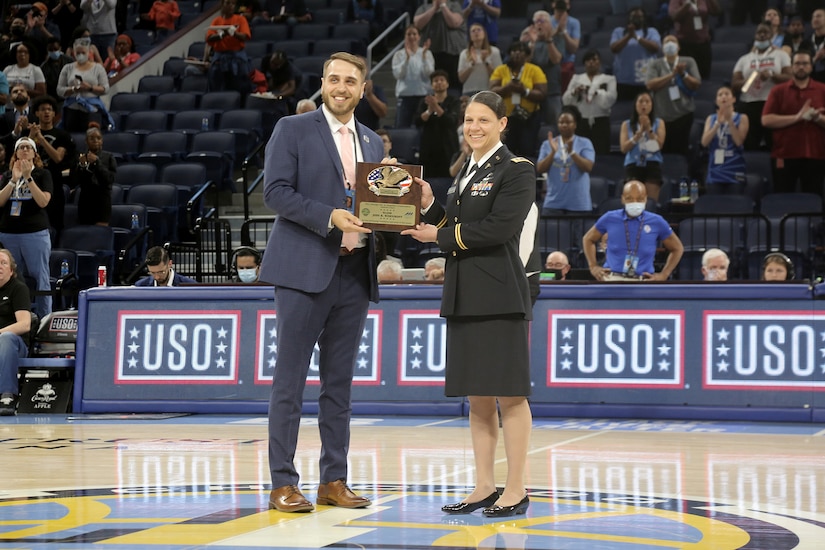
[157, 348]
[617, 348]
[422, 354]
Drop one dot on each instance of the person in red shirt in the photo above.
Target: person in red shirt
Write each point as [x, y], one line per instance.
[227, 36]
[165, 14]
[121, 56]
[795, 111]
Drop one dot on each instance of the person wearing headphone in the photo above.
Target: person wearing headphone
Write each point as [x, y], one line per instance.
[777, 267]
[247, 264]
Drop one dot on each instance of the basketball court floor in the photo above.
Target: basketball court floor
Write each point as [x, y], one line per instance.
[176, 481]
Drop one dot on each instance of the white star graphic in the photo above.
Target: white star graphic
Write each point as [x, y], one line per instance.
[722, 366]
[273, 332]
[664, 334]
[222, 332]
[133, 348]
[722, 350]
[822, 351]
[722, 334]
[565, 365]
[664, 349]
[221, 348]
[132, 362]
[365, 334]
[134, 333]
[416, 363]
[363, 348]
[362, 363]
[220, 363]
[416, 348]
[273, 347]
[566, 333]
[664, 365]
[566, 349]
[271, 362]
[416, 332]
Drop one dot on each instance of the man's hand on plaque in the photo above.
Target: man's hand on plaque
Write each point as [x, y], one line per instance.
[347, 222]
[423, 232]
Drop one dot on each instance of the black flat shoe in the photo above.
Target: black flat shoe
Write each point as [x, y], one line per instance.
[468, 507]
[496, 511]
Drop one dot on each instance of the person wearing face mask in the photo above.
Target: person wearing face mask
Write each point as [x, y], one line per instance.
[556, 267]
[81, 84]
[632, 238]
[633, 46]
[51, 67]
[17, 36]
[715, 263]
[754, 75]
[247, 264]
[674, 79]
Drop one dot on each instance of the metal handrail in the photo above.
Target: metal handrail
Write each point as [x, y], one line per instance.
[247, 187]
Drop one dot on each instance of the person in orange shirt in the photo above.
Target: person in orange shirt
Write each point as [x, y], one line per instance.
[227, 36]
[165, 14]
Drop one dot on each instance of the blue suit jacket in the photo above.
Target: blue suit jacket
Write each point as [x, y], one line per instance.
[176, 280]
[303, 179]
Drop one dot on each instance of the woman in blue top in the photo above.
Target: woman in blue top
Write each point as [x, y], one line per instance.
[641, 139]
[567, 160]
[633, 47]
[724, 136]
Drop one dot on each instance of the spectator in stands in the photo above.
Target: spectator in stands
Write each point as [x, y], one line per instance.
[777, 267]
[290, 12]
[93, 175]
[56, 149]
[547, 47]
[81, 84]
[442, 24]
[51, 68]
[122, 55]
[477, 61]
[411, 67]
[484, 13]
[373, 105]
[795, 111]
[227, 36]
[725, 133]
[15, 123]
[386, 139]
[593, 93]
[15, 36]
[40, 28]
[438, 119]
[99, 18]
[247, 264]
[567, 160]
[161, 272]
[434, 270]
[754, 74]
[715, 265]
[633, 46]
[773, 18]
[632, 238]
[165, 15]
[570, 30]
[281, 80]
[818, 41]
[67, 14]
[305, 106]
[557, 264]
[83, 32]
[523, 87]
[389, 272]
[4, 98]
[23, 71]
[690, 21]
[674, 79]
[367, 11]
[16, 323]
[24, 224]
[3, 165]
[794, 39]
[641, 139]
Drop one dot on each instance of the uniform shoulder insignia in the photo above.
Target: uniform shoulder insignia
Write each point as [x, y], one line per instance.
[520, 159]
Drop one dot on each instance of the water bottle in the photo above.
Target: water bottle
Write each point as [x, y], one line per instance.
[205, 124]
[64, 268]
[683, 189]
[694, 190]
[135, 221]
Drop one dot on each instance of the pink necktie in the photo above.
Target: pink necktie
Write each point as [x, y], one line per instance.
[350, 239]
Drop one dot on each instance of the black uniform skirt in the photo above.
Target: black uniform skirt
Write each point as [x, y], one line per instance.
[487, 356]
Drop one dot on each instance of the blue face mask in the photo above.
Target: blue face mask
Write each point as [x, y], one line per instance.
[249, 275]
[634, 209]
[762, 44]
[55, 55]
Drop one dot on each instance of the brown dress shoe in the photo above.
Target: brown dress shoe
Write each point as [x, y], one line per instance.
[289, 499]
[336, 493]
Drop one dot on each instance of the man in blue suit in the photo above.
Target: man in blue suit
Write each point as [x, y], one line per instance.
[322, 263]
[160, 269]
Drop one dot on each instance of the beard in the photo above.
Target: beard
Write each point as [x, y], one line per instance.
[339, 109]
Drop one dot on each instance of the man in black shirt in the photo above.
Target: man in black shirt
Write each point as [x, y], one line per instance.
[15, 323]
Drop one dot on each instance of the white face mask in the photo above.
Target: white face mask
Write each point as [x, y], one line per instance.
[670, 48]
[713, 275]
[81, 57]
[249, 275]
[634, 209]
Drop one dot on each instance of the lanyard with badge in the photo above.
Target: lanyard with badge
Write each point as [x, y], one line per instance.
[722, 134]
[17, 196]
[631, 259]
[673, 90]
[564, 157]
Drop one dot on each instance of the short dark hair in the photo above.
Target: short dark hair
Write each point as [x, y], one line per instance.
[590, 54]
[248, 251]
[573, 111]
[439, 72]
[44, 100]
[157, 255]
[491, 100]
[518, 46]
